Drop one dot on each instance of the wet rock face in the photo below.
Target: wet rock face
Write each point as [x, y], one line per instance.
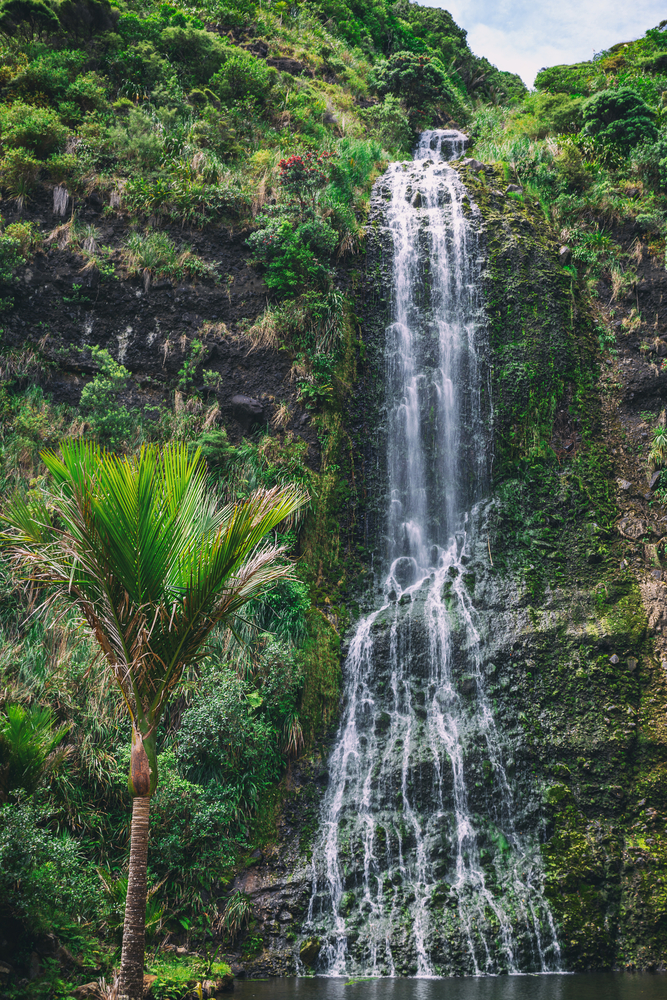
[416, 882]
[418, 871]
[567, 659]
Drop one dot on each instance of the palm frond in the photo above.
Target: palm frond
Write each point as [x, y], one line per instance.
[147, 553]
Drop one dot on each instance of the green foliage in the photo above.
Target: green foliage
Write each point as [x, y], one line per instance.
[294, 258]
[177, 979]
[198, 54]
[189, 367]
[575, 79]
[154, 253]
[115, 891]
[301, 177]
[658, 451]
[110, 421]
[619, 117]
[389, 123]
[316, 382]
[420, 80]
[139, 140]
[27, 19]
[19, 171]
[236, 915]
[651, 161]
[27, 748]
[82, 19]
[44, 881]
[224, 740]
[38, 130]
[242, 75]
[11, 257]
[214, 130]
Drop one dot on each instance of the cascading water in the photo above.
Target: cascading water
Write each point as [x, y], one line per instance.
[421, 868]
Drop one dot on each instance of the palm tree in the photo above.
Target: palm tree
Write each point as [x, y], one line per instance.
[143, 549]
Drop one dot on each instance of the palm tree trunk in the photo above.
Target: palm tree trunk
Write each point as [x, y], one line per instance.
[131, 984]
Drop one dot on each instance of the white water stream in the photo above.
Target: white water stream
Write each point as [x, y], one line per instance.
[419, 869]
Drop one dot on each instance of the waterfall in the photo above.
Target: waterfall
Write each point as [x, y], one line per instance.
[420, 867]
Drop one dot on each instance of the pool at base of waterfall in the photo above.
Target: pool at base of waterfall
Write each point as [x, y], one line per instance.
[588, 986]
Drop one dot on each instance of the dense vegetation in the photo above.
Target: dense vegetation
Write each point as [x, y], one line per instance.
[276, 119]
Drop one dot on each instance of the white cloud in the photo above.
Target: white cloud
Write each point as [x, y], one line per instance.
[523, 36]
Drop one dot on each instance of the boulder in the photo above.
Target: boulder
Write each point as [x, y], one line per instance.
[513, 189]
[88, 990]
[148, 985]
[216, 987]
[288, 65]
[631, 529]
[246, 409]
[472, 164]
[651, 555]
[564, 256]
[309, 951]
[404, 571]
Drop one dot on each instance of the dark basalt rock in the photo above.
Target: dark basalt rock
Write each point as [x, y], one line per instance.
[291, 66]
[246, 409]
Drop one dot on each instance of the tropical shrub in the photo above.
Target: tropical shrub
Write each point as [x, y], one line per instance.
[294, 258]
[88, 92]
[315, 385]
[155, 253]
[619, 117]
[389, 123]
[651, 161]
[38, 130]
[110, 421]
[28, 744]
[19, 171]
[223, 737]
[82, 19]
[214, 130]
[139, 140]
[199, 53]
[11, 257]
[242, 75]
[49, 74]
[419, 80]
[45, 883]
[301, 177]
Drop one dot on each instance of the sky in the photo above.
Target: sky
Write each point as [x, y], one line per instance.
[522, 36]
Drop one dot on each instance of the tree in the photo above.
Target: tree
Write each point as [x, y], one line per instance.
[419, 79]
[154, 563]
[619, 117]
[27, 18]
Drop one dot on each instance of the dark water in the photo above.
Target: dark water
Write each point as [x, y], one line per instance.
[605, 986]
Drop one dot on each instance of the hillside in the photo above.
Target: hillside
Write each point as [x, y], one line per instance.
[185, 255]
